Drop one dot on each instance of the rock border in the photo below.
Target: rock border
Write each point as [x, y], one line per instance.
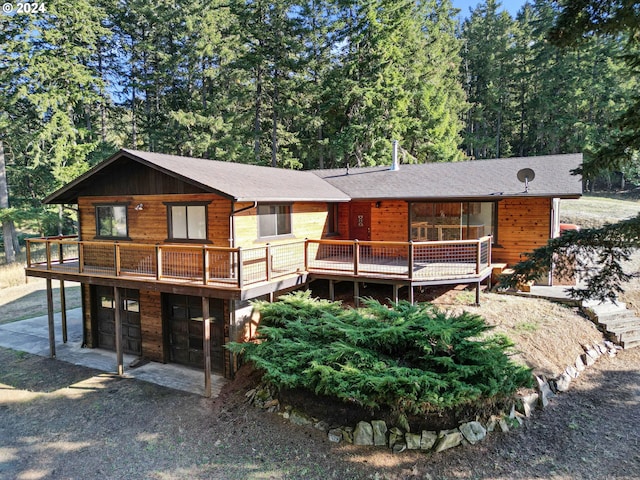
[377, 434]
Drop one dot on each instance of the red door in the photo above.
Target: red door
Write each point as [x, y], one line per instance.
[360, 221]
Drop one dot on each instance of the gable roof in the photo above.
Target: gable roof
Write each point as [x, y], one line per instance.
[478, 179]
[237, 181]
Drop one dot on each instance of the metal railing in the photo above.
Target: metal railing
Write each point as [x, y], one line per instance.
[419, 261]
[239, 267]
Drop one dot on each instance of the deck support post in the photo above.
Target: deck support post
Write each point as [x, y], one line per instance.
[118, 321]
[396, 296]
[63, 312]
[411, 294]
[332, 290]
[356, 293]
[206, 346]
[477, 294]
[52, 333]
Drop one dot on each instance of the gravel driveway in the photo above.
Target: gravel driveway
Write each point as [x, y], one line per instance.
[62, 421]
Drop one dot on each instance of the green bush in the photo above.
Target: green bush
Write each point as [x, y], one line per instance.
[413, 359]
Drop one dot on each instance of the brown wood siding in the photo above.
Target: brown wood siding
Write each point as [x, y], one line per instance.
[308, 220]
[151, 326]
[390, 221]
[149, 225]
[523, 225]
[87, 317]
[139, 180]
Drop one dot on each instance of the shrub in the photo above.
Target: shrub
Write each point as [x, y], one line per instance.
[413, 359]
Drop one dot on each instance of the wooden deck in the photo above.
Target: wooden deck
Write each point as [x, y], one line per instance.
[246, 273]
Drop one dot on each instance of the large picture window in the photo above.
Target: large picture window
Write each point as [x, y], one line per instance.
[274, 220]
[111, 221]
[433, 221]
[187, 221]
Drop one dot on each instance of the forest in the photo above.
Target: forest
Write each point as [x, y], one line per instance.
[292, 84]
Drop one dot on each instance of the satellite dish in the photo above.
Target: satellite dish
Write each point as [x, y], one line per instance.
[526, 175]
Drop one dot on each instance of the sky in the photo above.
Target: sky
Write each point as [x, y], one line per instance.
[512, 6]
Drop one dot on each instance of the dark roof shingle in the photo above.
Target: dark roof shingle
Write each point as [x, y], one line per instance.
[480, 179]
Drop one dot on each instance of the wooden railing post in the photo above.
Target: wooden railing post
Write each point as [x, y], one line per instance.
[205, 265]
[28, 253]
[410, 259]
[478, 256]
[306, 254]
[269, 267]
[240, 269]
[356, 256]
[80, 257]
[60, 259]
[158, 262]
[116, 258]
[48, 251]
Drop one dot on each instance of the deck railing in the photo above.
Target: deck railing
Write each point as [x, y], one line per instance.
[239, 267]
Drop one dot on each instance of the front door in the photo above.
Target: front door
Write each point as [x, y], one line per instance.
[360, 220]
[104, 308]
[183, 318]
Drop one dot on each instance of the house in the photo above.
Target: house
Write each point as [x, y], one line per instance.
[170, 250]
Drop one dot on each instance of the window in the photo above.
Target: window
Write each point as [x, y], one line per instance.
[111, 221]
[332, 219]
[274, 220]
[453, 220]
[187, 222]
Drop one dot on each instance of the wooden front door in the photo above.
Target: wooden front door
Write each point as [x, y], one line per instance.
[104, 308]
[360, 221]
[185, 327]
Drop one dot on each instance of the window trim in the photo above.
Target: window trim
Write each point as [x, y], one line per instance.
[276, 236]
[171, 238]
[112, 204]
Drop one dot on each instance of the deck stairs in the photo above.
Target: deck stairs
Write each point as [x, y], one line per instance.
[619, 323]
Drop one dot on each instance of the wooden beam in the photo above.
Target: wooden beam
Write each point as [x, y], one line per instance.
[52, 333]
[63, 311]
[356, 293]
[332, 290]
[118, 321]
[206, 346]
[478, 294]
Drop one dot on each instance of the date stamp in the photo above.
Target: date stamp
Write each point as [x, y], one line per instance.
[24, 7]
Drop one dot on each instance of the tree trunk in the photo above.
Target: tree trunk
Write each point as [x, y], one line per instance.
[8, 230]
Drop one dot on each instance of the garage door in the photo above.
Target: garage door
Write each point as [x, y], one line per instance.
[104, 308]
[183, 317]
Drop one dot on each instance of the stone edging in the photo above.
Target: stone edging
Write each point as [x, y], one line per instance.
[376, 433]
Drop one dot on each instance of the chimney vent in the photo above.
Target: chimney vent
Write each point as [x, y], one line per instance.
[395, 164]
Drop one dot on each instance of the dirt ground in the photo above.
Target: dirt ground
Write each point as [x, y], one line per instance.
[60, 421]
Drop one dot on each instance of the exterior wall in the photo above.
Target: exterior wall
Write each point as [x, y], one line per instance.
[151, 326]
[149, 225]
[87, 318]
[523, 225]
[308, 220]
[390, 221]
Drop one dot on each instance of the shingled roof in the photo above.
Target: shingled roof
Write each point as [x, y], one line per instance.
[478, 179]
[237, 181]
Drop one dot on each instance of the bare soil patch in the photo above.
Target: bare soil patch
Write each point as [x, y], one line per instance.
[62, 421]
